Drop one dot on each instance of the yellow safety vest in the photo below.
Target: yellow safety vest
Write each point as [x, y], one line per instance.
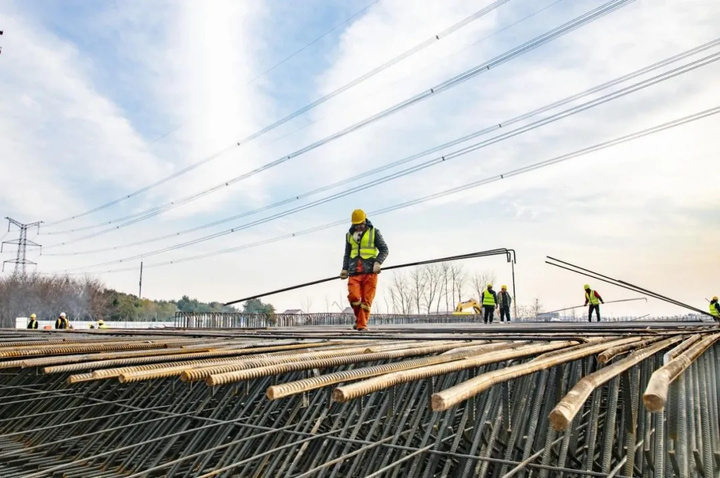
[366, 247]
[713, 310]
[592, 298]
[488, 298]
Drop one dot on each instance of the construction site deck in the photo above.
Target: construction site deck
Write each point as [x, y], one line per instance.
[521, 399]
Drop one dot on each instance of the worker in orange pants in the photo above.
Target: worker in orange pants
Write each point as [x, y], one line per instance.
[361, 292]
[365, 251]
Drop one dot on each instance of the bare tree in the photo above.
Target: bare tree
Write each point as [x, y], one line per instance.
[480, 282]
[432, 281]
[445, 282]
[390, 292]
[457, 275]
[401, 293]
[417, 285]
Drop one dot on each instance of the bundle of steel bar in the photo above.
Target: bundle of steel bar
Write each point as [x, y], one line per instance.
[570, 400]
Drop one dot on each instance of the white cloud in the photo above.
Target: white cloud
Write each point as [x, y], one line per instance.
[56, 129]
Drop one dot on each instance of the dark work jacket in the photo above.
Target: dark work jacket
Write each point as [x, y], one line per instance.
[504, 299]
[61, 323]
[367, 264]
[33, 324]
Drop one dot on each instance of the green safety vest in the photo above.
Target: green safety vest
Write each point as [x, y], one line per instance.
[488, 298]
[592, 298]
[713, 310]
[366, 248]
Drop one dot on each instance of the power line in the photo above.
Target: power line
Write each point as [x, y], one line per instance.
[286, 59]
[440, 88]
[314, 121]
[22, 243]
[302, 110]
[516, 172]
[435, 161]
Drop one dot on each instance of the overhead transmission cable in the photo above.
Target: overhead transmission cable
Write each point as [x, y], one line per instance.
[522, 170]
[314, 121]
[444, 158]
[440, 88]
[437, 37]
[435, 161]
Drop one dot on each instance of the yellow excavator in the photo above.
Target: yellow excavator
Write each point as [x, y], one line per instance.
[460, 308]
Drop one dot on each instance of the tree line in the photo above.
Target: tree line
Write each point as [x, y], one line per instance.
[88, 299]
[438, 288]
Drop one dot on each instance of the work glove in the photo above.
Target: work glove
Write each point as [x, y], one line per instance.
[343, 274]
[376, 268]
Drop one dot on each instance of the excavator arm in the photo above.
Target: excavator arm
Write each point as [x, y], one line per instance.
[461, 306]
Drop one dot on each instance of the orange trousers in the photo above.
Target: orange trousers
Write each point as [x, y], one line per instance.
[361, 292]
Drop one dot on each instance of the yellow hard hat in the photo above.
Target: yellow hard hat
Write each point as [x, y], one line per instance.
[358, 216]
[100, 321]
[586, 286]
[32, 316]
[715, 298]
[504, 287]
[489, 286]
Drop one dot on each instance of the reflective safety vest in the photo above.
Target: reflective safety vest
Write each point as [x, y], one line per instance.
[592, 298]
[713, 310]
[33, 324]
[488, 298]
[366, 247]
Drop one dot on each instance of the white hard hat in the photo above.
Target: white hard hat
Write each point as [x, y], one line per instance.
[62, 314]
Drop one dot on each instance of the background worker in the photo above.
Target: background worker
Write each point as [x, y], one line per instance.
[365, 251]
[594, 299]
[504, 301]
[101, 324]
[62, 322]
[715, 309]
[33, 324]
[489, 303]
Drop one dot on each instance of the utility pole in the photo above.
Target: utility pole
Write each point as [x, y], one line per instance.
[22, 242]
[140, 292]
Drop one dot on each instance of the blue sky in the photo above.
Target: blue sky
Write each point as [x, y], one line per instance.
[103, 98]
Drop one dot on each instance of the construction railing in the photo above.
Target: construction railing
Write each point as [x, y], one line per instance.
[222, 320]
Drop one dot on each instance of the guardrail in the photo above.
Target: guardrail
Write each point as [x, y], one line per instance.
[222, 320]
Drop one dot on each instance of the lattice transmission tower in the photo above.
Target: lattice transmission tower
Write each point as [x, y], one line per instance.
[22, 243]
